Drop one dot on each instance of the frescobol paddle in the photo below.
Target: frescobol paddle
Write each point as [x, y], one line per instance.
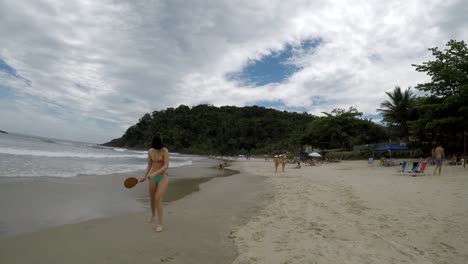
[130, 182]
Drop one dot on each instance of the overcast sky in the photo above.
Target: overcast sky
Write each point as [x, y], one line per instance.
[87, 70]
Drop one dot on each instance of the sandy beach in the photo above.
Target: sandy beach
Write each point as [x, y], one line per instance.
[350, 212]
[197, 226]
[346, 212]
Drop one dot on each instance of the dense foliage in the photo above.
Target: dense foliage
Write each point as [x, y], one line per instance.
[342, 129]
[206, 129]
[444, 110]
[441, 115]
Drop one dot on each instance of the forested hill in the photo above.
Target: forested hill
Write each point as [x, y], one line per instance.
[206, 129]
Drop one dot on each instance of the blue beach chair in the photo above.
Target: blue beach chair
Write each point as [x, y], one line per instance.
[403, 166]
[414, 168]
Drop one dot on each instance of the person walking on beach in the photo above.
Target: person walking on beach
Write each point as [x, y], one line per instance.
[276, 161]
[158, 163]
[439, 158]
[283, 161]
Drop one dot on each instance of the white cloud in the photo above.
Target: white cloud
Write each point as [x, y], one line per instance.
[116, 60]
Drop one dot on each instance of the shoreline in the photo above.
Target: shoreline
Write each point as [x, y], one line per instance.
[31, 204]
[197, 230]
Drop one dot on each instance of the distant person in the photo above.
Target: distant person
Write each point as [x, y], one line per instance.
[276, 161]
[298, 165]
[439, 158]
[158, 163]
[383, 161]
[283, 161]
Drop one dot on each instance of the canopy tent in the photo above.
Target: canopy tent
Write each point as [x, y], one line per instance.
[390, 148]
[315, 155]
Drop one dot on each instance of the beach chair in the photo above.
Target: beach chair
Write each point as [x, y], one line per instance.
[403, 166]
[420, 170]
[414, 168]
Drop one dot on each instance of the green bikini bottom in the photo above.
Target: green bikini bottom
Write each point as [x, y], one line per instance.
[157, 179]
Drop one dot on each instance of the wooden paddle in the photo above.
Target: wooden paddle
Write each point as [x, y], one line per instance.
[130, 182]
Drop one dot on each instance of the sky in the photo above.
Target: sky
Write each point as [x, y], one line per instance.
[87, 70]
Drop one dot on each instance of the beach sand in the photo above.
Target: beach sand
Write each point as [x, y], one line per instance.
[31, 204]
[197, 226]
[346, 212]
[350, 212]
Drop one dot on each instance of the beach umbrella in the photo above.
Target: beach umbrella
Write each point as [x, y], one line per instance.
[315, 155]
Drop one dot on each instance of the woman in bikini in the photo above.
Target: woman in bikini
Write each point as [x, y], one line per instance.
[158, 163]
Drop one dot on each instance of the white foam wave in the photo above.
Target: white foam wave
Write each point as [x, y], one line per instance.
[104, 170]
[64, 154]
[120, 149]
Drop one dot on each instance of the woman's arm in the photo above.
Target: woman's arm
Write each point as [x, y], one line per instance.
[164, 168]
[148, 167]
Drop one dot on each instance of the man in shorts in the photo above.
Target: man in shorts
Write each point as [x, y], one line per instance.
[439, 158]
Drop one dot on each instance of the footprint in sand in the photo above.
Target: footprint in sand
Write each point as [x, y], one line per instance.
[399, 233]
[258, 236]
[314, 227]
[448, 247]
[421, 252]
[168, 259]
[283, 244]
[382, 218]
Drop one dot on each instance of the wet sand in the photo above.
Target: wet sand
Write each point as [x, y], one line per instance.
[197, 226]
[36, 203]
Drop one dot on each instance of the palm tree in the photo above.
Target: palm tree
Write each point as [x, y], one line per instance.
[399, 109]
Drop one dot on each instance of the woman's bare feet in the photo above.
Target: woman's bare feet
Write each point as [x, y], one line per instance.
[150, 219]
[159, 228]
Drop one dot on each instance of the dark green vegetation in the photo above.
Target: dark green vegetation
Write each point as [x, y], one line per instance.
[399, 110]
[441, 115]
[342, 129]
[206, 129]
[438, 116]
[227, 130]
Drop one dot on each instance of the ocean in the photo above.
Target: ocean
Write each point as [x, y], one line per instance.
[33, 156]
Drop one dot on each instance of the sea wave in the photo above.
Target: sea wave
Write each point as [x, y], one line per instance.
[104, 170]
[119, 149]
[64, 154]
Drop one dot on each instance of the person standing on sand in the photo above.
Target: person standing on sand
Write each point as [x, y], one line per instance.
[439, 158]
[283, 161]
[158, 163]
[276, 161]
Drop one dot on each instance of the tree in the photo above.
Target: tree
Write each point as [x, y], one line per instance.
[227, 130]
[342, 129]
[444, 112]
[399, 110]
[448, 72]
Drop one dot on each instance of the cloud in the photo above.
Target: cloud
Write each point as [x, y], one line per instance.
[113, 61]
